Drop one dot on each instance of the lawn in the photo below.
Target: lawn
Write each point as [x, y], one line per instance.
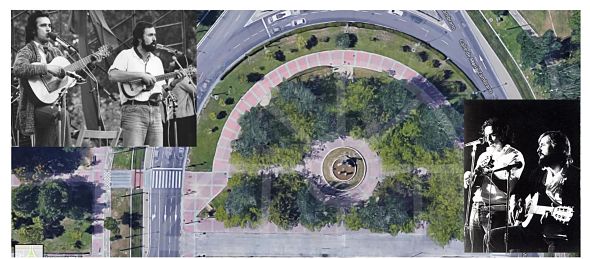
[136, 239]
[234, 84]
[508, 29]
[503, 54]
[119, 205]
[138, 158]
[122, 159]
[75, 239]
[541, 22]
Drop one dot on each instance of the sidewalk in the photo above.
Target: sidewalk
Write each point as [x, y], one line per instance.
[419, 85]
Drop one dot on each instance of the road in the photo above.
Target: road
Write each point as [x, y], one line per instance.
[355, 244]
[164, 183]
[228, 41]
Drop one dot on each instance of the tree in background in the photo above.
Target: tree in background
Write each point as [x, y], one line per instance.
[241, 205]
[36, 164]
[283, 209]
[31, 234]
[314, 213]
[444, 212]
[25, 200]
[53, 201]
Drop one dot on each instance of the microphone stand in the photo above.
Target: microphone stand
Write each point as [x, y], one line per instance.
[507, 210]
[468, 210]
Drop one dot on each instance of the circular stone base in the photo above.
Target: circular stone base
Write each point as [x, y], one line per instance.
[343, 168]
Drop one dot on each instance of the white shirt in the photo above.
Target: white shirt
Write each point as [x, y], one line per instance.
[554, 184]
[489, 192]
[128, 60]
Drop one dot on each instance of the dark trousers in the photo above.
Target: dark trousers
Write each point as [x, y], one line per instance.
[530, 239]
[187, 132]
[47, 127]
[481, 220]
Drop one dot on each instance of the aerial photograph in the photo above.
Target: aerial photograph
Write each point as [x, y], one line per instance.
[319, 133]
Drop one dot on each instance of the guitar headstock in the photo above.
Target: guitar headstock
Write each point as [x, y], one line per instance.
[563, 214]
[102, 52]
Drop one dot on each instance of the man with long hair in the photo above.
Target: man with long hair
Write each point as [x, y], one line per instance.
[557, 183]
[33, 116]
[495, 174]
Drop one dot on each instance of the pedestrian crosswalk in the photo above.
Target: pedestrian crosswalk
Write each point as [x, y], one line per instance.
[168, 179]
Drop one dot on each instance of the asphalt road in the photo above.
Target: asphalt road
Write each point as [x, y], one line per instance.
[164, 184]
[228, 41]
[364, 244]
[169, 157]
[164, 222]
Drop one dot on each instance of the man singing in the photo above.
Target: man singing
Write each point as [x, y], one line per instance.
[557, 183]
[34, 117]
[140, 115]
[500, 165]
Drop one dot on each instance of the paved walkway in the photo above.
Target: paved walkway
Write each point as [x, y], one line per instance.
[523, 23]
[199, 188]
[424, 90]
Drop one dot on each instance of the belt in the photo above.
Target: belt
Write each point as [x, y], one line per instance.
[134, 102]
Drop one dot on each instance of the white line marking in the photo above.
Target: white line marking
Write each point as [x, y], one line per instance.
[266, 28]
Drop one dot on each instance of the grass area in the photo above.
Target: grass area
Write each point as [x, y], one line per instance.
[120, 205]
[75, 239]
[502, 53]
[205, 22]
[138, 158]
[136, 239]
[508, 29]
[370, 39]
[541, 22]
[122, 160]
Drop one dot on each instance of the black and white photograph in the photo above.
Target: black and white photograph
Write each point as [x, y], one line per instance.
[97, 78]
[522, 176]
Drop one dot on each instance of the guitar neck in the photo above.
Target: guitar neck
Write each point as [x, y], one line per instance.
[540, 210]
[166, 76]
[80, 64]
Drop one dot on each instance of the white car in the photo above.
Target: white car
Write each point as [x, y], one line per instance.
[298, 22]
[279, 16]
[396, 12]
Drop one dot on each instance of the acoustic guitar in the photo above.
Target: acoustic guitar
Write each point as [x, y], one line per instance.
[47, 88]
[136, 87]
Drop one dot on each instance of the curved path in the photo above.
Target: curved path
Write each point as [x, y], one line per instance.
[424, 90]
[233, 36]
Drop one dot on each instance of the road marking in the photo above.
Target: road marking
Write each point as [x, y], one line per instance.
[402, 20]
[266, 28]
[444, 42]
[483, 63]
[236, 46]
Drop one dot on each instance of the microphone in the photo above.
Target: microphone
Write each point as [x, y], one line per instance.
[168, 49]
[475, 142]
[63, 43]
[517, 164]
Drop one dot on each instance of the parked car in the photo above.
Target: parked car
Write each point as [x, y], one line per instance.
[298, 22]
[279, 16]
[396, 12]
